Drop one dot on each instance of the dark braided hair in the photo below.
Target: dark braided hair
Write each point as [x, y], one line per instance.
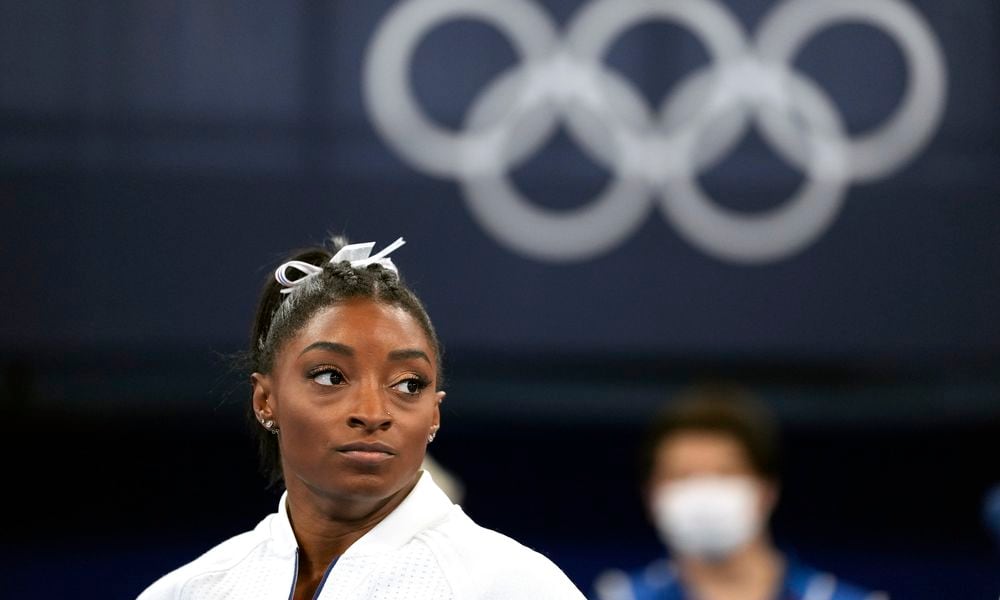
[280, 316]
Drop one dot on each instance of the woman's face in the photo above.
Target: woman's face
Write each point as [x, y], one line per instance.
[353, 394]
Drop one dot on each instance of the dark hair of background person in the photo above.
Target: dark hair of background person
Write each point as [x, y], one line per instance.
[280, 316]
[719, 409]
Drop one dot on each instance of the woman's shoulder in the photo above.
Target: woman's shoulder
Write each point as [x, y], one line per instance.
[216, 561]
[475, 542]
[495, 565]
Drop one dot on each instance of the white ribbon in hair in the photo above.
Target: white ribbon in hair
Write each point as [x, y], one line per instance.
[356, 254]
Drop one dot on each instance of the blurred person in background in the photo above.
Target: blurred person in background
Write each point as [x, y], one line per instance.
[449, 483]
[346, 379]
[710, 483]
[991, 512]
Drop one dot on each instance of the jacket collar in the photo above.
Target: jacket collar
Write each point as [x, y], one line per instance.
[425, 505]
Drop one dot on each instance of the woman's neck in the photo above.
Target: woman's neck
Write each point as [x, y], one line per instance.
[751, 573]
[326, 526]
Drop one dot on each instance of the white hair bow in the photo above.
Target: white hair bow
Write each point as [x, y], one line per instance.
[359, 255]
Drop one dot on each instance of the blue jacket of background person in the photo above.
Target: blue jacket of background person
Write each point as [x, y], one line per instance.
[659, 581]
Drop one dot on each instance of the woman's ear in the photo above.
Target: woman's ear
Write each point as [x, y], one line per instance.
[436, 423]
[263, 406]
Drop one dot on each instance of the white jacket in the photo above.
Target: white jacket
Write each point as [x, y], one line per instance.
[425, 549]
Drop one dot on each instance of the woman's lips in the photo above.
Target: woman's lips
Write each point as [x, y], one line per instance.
[369, 453]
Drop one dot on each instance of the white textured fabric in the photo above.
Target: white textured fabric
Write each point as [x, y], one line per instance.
[426, 549]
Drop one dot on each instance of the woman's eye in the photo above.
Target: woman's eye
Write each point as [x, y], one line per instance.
[410, 386]
[328, 377]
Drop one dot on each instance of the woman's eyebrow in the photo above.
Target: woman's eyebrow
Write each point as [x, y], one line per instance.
[408, 353]
[330, 346]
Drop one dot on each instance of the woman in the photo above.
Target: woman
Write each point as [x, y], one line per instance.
[346, 375]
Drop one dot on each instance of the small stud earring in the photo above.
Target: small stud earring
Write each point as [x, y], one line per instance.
[269, 425]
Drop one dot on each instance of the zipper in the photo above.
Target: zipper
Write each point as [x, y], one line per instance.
[295, 576]
[322, 582]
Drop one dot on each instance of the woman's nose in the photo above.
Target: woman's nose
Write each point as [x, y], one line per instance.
[370, 411]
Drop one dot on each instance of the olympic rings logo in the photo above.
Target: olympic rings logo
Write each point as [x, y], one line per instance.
[655, 157]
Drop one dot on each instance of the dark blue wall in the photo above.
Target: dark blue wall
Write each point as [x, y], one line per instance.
[158, 160]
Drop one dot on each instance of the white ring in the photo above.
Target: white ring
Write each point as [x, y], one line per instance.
[586, 231]
[386, 85]
[697, 124]
[882, 151]
[592, 31]
[781, 231]
[591, 97]
[591, 34]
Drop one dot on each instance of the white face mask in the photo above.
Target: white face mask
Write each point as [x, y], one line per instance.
[707, 517]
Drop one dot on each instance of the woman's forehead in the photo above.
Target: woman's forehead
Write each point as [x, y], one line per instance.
[362, 322]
